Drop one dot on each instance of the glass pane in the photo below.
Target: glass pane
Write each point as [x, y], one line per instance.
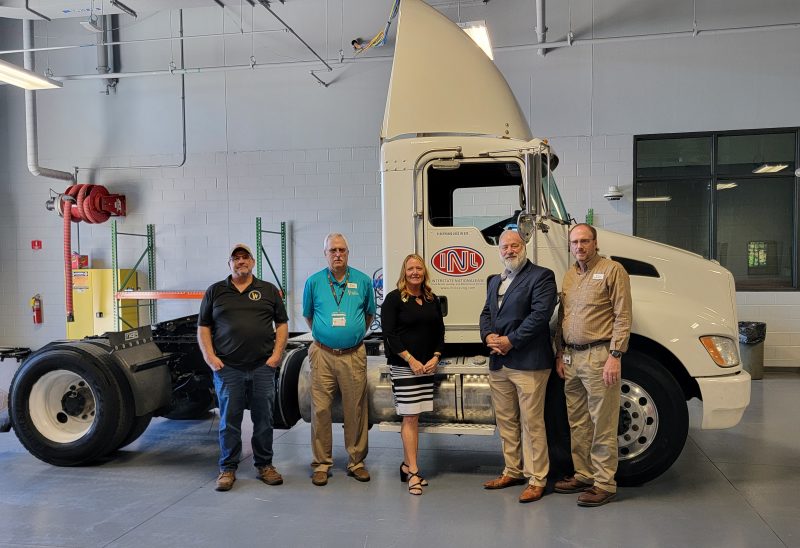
[674, 213]
[754, 231]
[557, 209]
[682, 157]
[482, 207]
[763, 153]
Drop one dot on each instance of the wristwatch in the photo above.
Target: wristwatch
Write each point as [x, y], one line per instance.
[616, 353]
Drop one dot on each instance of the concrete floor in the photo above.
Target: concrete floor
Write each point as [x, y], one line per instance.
[731, 488]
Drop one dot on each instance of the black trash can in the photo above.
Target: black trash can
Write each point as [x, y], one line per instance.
[751, 347]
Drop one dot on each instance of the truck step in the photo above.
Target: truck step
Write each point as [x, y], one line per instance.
[457, 428]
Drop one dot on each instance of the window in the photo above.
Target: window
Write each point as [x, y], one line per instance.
[486, 195]
[730, 196]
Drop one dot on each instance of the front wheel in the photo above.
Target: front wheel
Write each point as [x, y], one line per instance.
[653, 420]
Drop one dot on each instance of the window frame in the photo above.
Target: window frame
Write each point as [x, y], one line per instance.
[716, 178]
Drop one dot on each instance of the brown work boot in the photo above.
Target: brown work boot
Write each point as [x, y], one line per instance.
[319, 478]
[570, 485]
[532, 493]
[269, 475]
[504, 481]
[225, 480]
[594, 496]
[361, 474]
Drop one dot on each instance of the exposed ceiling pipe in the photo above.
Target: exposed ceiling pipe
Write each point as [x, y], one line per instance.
[657, 36]
[103, 66]
[541, 26]
[30, 116]
[266, 6]
[36, 13]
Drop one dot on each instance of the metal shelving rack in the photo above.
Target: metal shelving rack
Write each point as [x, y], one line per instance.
[261, 251]
[150, 254]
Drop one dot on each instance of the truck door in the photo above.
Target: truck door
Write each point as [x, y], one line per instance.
[467, 204]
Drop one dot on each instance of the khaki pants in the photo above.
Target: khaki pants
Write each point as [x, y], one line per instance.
[593, 411]
[518, 400]
[346, 374]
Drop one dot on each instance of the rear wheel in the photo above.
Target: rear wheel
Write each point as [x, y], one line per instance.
[138, 427]
[65, 408]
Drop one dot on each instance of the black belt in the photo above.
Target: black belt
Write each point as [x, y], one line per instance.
[338, 351]
[586, 346]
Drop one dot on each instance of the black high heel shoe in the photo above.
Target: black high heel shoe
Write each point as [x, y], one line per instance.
[405, 474]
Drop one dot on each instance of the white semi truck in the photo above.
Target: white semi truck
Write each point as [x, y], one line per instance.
[458, 163]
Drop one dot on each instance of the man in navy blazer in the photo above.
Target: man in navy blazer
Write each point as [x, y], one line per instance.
[515, 325]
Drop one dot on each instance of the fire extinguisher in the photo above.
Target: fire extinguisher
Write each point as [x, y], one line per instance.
[36, 307]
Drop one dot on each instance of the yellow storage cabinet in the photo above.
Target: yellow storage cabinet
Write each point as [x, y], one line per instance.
[93, 302]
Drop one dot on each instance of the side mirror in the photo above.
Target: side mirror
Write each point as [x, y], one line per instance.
[525, 226]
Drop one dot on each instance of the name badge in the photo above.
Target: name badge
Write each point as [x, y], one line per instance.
[598, 276]
[352, 285]
[338, 319]
[567, 359]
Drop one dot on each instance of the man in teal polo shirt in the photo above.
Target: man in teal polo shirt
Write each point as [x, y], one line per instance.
[338, 305]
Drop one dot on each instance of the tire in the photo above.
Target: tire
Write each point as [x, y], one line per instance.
[287, 405]
[557, 425]
[140, 424]
[654, 420]
[65, 407]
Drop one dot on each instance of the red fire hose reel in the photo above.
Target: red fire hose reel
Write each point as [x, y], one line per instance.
[92, 204]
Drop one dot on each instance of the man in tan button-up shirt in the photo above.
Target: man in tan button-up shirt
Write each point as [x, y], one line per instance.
[594, 324]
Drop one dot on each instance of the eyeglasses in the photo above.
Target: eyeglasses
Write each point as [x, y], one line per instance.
[337, 251]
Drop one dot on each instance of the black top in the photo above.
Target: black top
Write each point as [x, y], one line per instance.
[409, 326]
[242, 323]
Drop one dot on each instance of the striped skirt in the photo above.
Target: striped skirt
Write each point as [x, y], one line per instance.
[413, 394]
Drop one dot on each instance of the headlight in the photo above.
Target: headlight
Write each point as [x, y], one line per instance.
[721, 349]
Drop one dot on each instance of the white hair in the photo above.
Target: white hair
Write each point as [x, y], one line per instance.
[331, 236]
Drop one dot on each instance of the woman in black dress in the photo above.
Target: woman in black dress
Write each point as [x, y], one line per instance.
[413, 328]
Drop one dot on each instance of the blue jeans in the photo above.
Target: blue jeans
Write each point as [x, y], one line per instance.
[235, 389]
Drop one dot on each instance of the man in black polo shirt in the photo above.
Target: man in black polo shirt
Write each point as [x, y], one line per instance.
[239, 343]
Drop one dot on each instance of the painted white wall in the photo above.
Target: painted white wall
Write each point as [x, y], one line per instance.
[274, 143]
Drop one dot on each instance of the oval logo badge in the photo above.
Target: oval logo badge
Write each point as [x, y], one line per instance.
[255, 295]
[457, 261]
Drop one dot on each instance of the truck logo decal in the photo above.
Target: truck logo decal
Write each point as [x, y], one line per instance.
[457, 261]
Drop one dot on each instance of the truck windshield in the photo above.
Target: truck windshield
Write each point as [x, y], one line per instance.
[556, 205]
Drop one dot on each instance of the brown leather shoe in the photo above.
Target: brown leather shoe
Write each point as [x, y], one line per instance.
[504, 481]
[269, 475]
[570, 485]
[361, 474]
[594, 496]
[532, 493]
[225, 480]
[319, 478]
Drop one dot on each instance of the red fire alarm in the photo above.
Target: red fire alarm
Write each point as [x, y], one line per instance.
[36, 244]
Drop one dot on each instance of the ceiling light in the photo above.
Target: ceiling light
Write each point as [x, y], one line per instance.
[18, 76]
[122, 7]
[480, 34]
[655, 199]
[726, 186]
[770, 168]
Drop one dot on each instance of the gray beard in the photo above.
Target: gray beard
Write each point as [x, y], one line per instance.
[514, 264]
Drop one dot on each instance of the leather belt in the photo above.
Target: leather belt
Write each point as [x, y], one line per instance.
[586, 346]
[338, 351]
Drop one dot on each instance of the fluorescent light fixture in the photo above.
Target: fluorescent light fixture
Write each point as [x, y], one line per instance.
[770, 168]
[24, 78]
[726, 186]
[480, 34]
[655, 199]
[122, 7]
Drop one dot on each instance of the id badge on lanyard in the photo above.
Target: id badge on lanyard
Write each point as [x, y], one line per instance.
[338, 319]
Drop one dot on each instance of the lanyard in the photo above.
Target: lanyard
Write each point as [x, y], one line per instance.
[344, 288]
